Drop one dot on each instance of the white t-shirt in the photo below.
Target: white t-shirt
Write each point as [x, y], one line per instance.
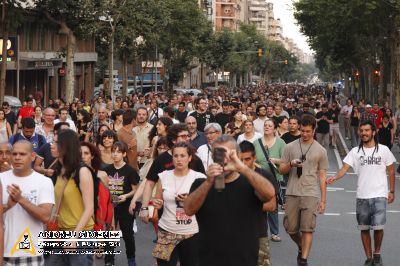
[259, 125]
[370, 167]
[174, 219]
[242, 138]
[69, 121]
[204, 152]
[38, 189]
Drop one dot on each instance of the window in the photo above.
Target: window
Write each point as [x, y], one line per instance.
[28, 35]
[41, 39]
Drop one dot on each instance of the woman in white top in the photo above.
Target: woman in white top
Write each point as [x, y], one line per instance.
[5, 128]
[249, 133]
[175, 227]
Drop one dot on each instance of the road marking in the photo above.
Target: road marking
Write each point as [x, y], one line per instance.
[351, 191]
[351, 213]
[334, 188]
[344, 143]
[393, 211]
[338, 159]
[332, 214]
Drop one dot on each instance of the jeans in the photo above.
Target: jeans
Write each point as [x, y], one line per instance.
[371, 213]
[69, 260]
[355, 138]
[186, 251]
[273, 223]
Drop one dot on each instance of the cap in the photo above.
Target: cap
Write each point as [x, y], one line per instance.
[368, 106]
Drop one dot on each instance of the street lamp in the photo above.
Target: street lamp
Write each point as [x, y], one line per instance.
[111, 62]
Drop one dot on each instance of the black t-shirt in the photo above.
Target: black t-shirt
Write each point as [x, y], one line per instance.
[223, 119]
[12, 119]
[120, 182]
[229, 223]
[181, 116]
[335, 115]
[263, 226]
[287, 137]
[164, 162]
[45, 153]
[203, 119]
[323, 125]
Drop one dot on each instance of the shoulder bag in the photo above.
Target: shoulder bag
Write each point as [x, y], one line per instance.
[279, 194]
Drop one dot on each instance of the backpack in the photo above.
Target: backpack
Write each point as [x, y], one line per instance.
[103, 208]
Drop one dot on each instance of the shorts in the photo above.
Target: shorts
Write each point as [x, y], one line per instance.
[371, 213]
[264, 255]
[300, 214]
[334, 128]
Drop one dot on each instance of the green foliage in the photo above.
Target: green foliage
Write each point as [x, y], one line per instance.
[346, 34]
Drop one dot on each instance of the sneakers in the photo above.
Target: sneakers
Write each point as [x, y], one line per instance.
[377, 260]
[275, 238]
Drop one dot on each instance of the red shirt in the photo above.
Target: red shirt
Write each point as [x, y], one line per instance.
[26, 112]
[378, 119]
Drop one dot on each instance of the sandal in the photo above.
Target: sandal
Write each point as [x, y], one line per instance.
[276, 238]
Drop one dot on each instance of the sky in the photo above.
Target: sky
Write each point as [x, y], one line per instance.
[283, 9]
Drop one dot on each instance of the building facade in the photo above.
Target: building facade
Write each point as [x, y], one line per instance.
[38, 67]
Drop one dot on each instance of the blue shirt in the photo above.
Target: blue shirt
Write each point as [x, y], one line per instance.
[199, 140]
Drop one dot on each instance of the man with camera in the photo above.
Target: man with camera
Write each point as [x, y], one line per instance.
[306, 162]
[228, 207]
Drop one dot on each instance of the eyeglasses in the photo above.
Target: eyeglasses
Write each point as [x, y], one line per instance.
[210, 132]
[184, 136]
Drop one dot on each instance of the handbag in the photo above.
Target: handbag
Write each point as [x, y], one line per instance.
[279, 194]
[154, 118]
[52, 224]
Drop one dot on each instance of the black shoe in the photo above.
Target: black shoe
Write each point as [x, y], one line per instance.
[377, 260]
[303, 262]
[368, 262]
[299, 257]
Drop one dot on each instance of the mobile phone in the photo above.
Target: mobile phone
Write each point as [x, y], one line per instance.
[219, 158]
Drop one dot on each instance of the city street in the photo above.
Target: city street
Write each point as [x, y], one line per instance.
[336, 240]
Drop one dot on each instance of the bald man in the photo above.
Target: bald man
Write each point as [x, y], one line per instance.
[101, 119]
[5, 156]
[30, 198]
[197, 138]
[47, 128]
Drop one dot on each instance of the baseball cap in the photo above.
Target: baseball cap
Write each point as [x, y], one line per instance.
[368, 106]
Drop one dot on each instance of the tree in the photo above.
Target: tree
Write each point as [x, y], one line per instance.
[12, 15]
[75, 18]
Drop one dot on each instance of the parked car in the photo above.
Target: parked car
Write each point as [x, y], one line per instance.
[14, 103]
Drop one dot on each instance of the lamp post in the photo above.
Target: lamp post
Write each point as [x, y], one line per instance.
[111, 60]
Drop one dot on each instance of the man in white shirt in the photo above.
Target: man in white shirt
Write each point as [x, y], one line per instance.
[261, 111]
[204, 152]
[346, 112]
[28, 198]
[142, 130]
[370, 162]
[64, 118]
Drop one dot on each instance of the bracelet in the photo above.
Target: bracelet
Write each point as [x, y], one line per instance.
[144, 208]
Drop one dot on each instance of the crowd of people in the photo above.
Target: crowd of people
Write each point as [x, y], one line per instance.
[158, 158]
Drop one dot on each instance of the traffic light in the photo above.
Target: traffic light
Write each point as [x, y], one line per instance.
[260, 52]
[377, 72]
[286, 62]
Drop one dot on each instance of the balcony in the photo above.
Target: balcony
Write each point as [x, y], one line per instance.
[257, 8]
[256, 19]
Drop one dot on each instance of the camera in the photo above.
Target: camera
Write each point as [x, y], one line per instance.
[300, 169]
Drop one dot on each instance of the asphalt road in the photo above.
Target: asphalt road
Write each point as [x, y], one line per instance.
[336, 240]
